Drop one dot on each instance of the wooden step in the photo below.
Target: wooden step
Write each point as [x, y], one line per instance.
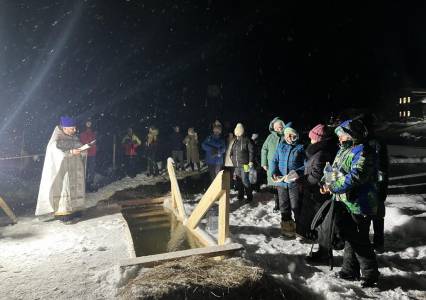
[156, 259]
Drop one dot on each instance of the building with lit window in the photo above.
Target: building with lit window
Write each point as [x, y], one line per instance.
[412, 105]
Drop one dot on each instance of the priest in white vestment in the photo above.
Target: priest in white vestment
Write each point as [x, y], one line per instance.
[62, 187]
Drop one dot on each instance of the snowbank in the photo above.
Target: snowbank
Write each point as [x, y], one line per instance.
[47, 260]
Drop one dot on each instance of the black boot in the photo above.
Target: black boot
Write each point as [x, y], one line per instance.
[351, 276]
[320, 256]
[277, 203]
[369, 282]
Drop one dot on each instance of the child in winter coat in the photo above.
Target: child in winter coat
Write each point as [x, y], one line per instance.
[289, 156]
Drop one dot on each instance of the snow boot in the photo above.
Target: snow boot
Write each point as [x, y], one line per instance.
[288, 228]
[369, 282]
[347, 275]
[277, 203]
[320, 256]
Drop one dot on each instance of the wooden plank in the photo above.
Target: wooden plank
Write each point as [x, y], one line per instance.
[175, 189]
[148, 214]
[138, 202]
[223, 219]
[213, 193]
[8, 211]
[156, 259]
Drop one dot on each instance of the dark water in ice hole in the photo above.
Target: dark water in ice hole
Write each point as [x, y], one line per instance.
[155, 229]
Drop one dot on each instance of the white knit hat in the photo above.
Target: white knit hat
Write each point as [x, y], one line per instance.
[239, 129]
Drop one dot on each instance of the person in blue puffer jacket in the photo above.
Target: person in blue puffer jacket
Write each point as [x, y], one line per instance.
[215, 147]
[289, 156]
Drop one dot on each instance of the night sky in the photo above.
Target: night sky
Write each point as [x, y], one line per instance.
[137, 63]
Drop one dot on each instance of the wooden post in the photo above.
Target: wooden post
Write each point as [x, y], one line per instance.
[223, 230]
[175, 190]
[8, 211]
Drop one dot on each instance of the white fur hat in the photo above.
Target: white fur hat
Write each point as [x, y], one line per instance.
[239, 129]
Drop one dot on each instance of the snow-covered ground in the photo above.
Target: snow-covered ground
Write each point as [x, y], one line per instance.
[48, 260]
[45, 260]
[403, 265]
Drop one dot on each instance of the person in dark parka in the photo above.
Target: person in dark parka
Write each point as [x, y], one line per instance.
[321, 150]
[242, 155]
[355, 185]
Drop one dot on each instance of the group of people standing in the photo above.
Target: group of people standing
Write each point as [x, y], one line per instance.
[155, 153]
[302, 177]
[358, 180]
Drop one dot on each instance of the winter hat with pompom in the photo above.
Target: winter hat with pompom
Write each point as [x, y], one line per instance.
[318, 133]
[239, 129]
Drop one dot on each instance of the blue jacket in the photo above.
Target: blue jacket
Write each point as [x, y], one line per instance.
[288, 157]
[215, 148]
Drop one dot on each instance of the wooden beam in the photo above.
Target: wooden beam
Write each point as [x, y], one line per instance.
[8, 211]
[152, 260]
[223, 219]
[203, 237]
[175, 190]
[139, 202]
[213, 193]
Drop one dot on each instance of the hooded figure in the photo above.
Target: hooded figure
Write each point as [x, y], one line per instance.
[356, 186]
[62, 186]
[276, 127]
[288, 159]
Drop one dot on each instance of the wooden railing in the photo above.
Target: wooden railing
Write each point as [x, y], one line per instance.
[218, 191]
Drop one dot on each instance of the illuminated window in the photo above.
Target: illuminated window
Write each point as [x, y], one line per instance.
[403, 114]
[408, 113]
[400, 113]
[400, 100]
[408, 100]
[405, 100]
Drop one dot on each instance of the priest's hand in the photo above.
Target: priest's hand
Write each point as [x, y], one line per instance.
[75, 151]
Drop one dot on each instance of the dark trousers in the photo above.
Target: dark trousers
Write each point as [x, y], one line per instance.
[379, 219]
[191, 164]
[214, 170]
[90, 170]
[359, 254]
[242, 183]
[130, 165]
[177, 156]
[289, 201]
[152, 166]
[311, 203]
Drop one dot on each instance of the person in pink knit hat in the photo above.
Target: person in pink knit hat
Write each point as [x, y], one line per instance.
[321, 150]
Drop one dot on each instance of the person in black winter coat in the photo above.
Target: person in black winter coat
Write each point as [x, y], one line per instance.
[242, 155]
[321, 150]
[380, 150]
[176, 145]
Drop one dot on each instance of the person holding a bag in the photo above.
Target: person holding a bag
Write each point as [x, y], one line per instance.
[320, 151]
[355, 185]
